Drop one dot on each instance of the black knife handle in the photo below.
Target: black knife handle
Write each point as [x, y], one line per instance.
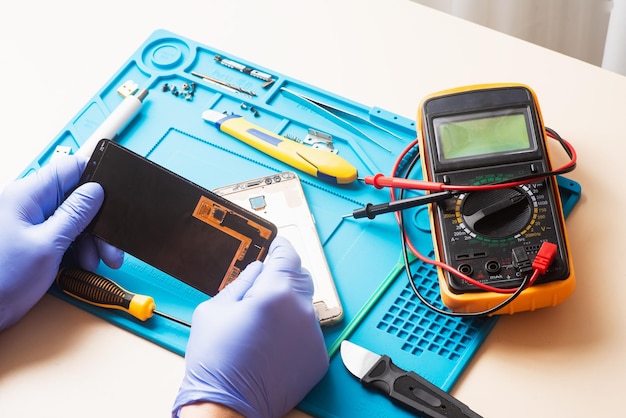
[414, 392]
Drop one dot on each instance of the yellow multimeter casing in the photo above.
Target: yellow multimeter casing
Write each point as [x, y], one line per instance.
[490, 133]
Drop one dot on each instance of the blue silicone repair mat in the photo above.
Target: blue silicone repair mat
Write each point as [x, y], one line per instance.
[361, 253]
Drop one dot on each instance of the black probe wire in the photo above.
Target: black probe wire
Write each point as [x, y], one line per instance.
[558, 137]
[407, 267]
[531, 177]
[429, 305]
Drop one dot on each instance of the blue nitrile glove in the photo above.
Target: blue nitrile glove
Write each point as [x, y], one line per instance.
[257, 346]
[37, 225]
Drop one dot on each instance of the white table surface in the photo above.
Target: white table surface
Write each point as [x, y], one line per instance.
[567, 361]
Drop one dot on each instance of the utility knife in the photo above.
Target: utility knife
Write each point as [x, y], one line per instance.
[408, 389]
[316, 162]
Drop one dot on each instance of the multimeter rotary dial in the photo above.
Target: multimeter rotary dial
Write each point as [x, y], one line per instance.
[496, 214]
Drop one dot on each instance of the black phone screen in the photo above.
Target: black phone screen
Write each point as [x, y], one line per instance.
[171, 223]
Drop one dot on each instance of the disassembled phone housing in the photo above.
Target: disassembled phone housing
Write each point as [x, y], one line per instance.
[280, 199]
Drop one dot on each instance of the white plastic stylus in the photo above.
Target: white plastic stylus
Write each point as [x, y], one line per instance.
[115, 123]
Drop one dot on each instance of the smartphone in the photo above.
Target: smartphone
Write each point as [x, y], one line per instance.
[171, 223]
[280, 199]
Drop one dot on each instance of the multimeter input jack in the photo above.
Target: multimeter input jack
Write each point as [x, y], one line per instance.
[466, 269]
[492, 266]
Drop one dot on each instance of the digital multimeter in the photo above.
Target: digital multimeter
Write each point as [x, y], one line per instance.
[486, 134]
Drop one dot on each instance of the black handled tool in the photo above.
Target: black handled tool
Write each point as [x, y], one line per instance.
[406, 388]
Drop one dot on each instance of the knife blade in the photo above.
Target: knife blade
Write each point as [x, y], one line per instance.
[408, 389]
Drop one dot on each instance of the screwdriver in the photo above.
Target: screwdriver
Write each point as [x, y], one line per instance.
[100, 291]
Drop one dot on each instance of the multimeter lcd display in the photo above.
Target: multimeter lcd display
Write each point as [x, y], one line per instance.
[463, 136]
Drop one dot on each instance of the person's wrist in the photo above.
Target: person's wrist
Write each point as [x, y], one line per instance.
[208, 409]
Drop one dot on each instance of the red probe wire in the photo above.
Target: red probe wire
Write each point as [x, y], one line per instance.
[379, 180]
[398, 181]
[427, 260]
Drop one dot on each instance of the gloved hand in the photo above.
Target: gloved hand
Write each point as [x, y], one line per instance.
[37, 225]
[257, 346]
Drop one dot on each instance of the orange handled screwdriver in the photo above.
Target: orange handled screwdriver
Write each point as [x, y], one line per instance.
[100, 291]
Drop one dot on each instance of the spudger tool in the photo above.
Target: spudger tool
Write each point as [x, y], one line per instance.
[405, 388]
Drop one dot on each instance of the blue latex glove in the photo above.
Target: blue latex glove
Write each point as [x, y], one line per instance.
[257, 346]
[37, 225]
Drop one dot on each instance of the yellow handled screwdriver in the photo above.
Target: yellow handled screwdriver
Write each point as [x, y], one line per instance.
[100, 291]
